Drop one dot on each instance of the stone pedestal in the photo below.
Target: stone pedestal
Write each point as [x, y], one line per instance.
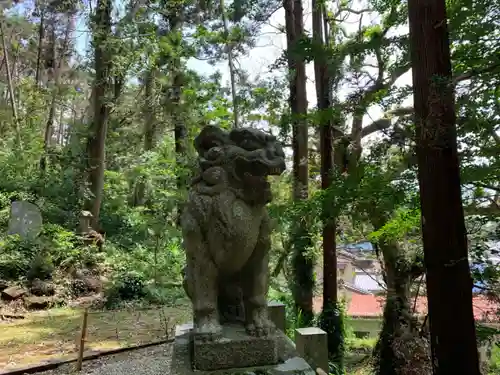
[288, 361]
[234, 349]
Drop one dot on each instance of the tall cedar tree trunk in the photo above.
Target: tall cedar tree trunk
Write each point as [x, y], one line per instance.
[230, 62]
[330, 317]
[149, 128]
[101, 102]
[51, 56]
[41, 36]
[10, 85]
[397, 318]
[49, 126]
[449, 283]
[180, 131]
[302, 263]
[149, 111]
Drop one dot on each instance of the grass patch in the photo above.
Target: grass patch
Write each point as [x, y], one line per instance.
[358, 364]
[361, 371]
[55, 333]
[358, 355]
[495, 360]
[359, 344]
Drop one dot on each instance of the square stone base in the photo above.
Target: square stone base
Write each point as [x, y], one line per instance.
[287, 363]
[235, 349]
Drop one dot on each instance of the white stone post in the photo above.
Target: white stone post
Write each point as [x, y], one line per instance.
[277, 314]
[312, 345]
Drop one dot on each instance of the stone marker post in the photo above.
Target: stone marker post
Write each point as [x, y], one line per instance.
[85, 219]
[25, 220]
[277, 314]
[311, 344]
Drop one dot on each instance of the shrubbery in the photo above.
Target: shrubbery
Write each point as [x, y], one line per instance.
[141, 259]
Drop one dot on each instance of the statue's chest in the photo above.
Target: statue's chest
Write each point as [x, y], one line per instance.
[246, 219]
[234, 239]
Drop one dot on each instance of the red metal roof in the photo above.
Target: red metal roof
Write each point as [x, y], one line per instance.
[370, 306]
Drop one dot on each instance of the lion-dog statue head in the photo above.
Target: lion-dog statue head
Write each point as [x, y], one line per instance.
[243, 157]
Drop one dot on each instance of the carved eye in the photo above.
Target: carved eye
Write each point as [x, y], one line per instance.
[214, 153]
[246, 144]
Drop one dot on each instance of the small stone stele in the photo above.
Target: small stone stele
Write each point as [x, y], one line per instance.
[235, 349]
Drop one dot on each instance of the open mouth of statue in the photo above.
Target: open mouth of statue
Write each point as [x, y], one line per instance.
[253, 172]
[256, 171]
[254, 179]
[275, 171]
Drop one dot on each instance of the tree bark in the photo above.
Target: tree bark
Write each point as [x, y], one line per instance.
[13, 104]
[303, 264]
[101, 92]
[149, 111]
[149, 128]
[300, 136]
[49, 126]
[230, 62]
[180, 131]
[331, 319]
[41, 36]
[449, 283]
[326, 151]
[397, 318]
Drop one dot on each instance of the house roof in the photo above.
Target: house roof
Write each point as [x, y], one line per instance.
[371, 306]
[370, 282]
[346, 254]
[355, 289]
[361, 245]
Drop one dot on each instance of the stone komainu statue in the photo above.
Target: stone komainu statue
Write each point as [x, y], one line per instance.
[226, 229]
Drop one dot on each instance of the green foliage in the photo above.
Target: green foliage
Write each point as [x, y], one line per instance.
[15, 258]
[495, 360]
[125, 286]
[142, 255]
[303, 261]
[39, 258]
[357, 344]
[293, 315]
[404, 223]
[485, 333]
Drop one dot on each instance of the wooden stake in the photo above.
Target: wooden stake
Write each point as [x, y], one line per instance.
[82, 341]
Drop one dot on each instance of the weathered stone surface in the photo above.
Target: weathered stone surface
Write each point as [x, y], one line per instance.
[226, 229]
[312, 345]
[41, 288]
[95, 301]
[234, 349]
[13, 292]
[83, 284]
[25, 219]
[3, 285]
[39, 303]
[289, 363]
[294, 365]
[277, 314]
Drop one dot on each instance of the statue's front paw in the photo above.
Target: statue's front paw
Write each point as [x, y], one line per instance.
[208, 330]
[259, 325]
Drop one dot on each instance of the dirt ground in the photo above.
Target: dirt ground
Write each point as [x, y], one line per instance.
[55, 333]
